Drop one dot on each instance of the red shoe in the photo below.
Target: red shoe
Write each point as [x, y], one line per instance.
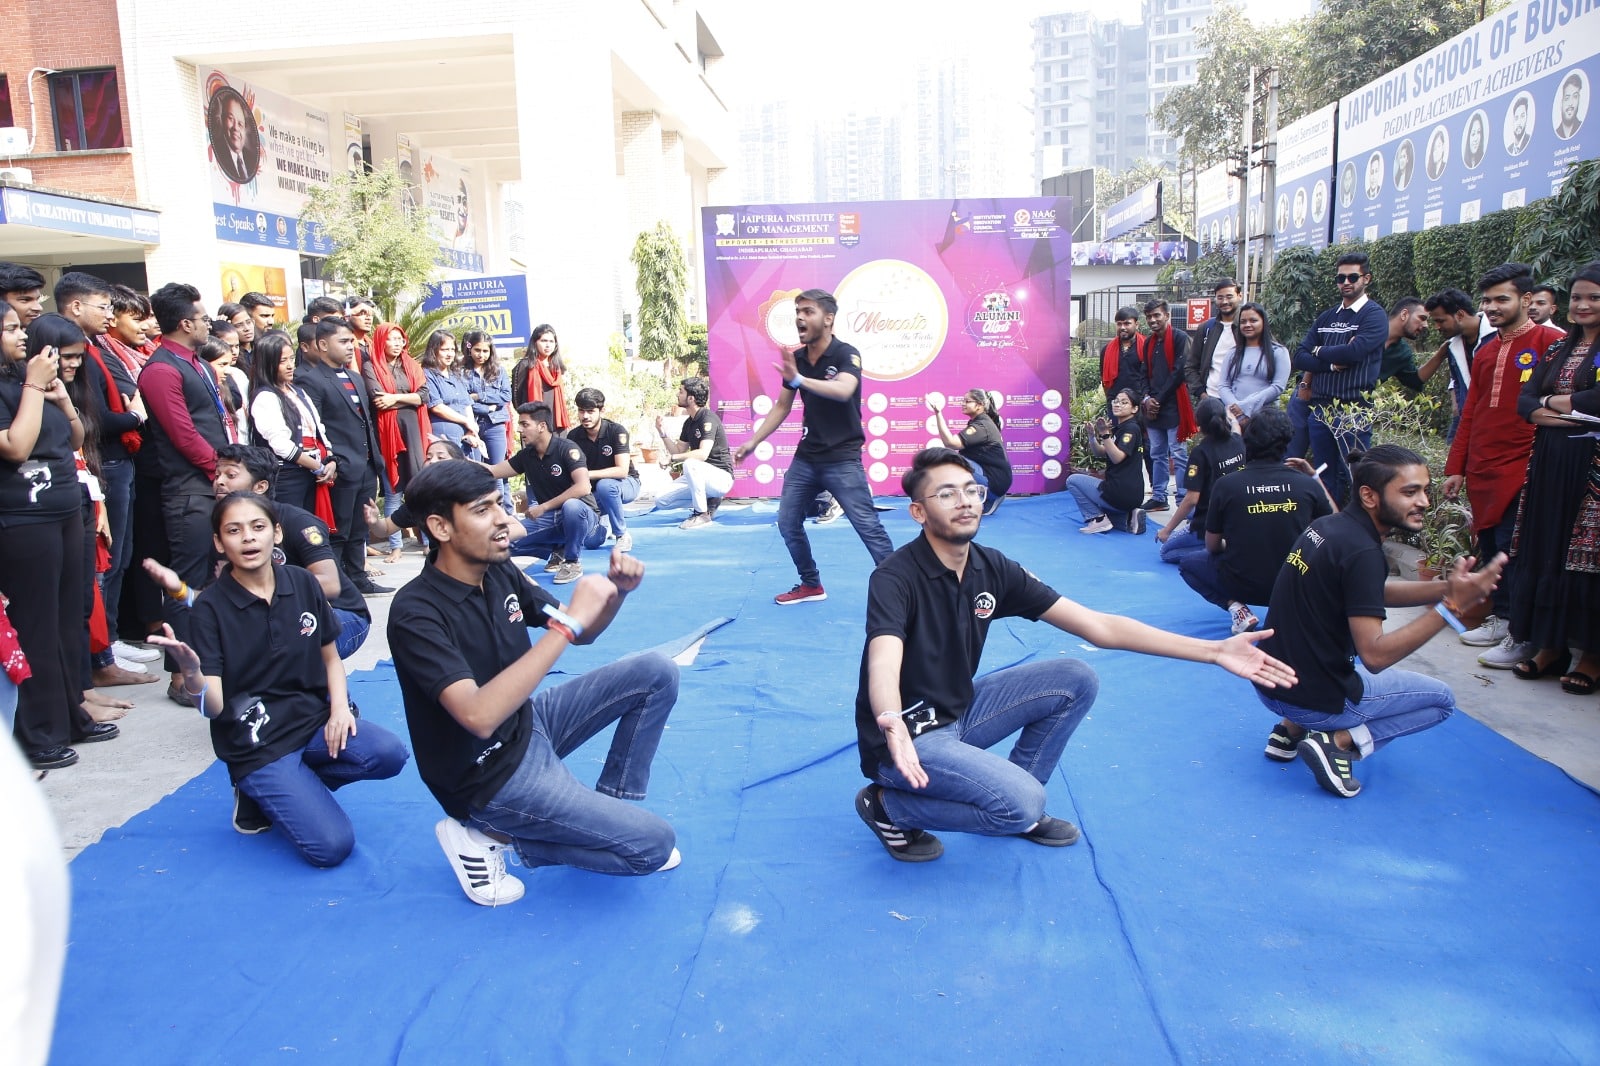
[801, 594]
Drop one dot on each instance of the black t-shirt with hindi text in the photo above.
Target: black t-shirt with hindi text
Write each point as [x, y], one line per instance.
[1210, 460]
[1260, 512]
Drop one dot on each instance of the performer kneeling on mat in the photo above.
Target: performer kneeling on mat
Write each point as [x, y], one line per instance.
[923, 724]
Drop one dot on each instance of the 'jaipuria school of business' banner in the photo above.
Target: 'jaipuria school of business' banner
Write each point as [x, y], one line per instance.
[940, 297]
[1305, 180]
[1488, 120]
[266, 152]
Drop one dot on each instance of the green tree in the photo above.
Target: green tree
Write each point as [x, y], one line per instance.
[1209, 115]
[662, 283]
[1558, 235]
[1350, 42]
[697, 344]
[378, 247]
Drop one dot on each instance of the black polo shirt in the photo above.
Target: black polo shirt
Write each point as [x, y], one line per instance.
[981, 442]
[1208, 461]
[832, 428]
[1123, 487]
[306, 541]
[610, 442]
[269, 656]
[1335, 572]
[943, 623]
[442, 631]
[1259, 512]
[702, 424]
[550, 476]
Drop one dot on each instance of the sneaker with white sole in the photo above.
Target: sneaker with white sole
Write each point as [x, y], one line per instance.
[1493, 630]
[479, 863]
[696, 520]
[248, 817]
[624, 542]
[1508, 653]
[1136, 521]
[1329, 762]
[567, 573]
[1244, 619]
[1281, 745]
[673, 862]
[1097, 524]
[907, 845]
[835, 509]
[800, 594]
[552, 564]
[134, 653]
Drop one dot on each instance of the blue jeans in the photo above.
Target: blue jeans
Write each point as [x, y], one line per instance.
[972, 790]
[1201, 572]
[848, 483]
[1491, 541]
[391, 504]
[1085, 489]
[1167, 451]
[1331, 448]
[353, 629]
[116, 475]
[572, 528]
[611, 493]
[493, 435]
[295, 791]
[556, 820]
[1299, 412]
[1181, 544]
[1393, 704]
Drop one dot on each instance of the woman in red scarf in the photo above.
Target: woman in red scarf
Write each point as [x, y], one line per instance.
[400, 395]
[542, 371]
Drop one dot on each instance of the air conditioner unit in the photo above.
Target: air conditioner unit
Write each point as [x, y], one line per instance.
[19, 175]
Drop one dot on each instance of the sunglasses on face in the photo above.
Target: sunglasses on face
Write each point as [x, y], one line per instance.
[1347, 279]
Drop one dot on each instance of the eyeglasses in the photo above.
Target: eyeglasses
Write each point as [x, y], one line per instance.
[104, 309]
[951, 497]
[1349, 279]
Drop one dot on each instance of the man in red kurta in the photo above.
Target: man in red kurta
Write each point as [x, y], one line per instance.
[1490, 452]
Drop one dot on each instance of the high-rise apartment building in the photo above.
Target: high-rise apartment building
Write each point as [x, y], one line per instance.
[1097, 82]
[858, 158]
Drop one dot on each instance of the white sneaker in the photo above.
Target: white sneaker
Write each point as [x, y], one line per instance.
[1507, 653]
[479, 863]
[131, 667]
[1102, 524]
[624, 542]
[1492, 632]
[131, 653]
[1244, 619]
[672, 862]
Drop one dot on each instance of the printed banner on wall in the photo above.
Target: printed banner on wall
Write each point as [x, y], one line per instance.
[1128, 214]
[939, 297]
[1490, 119]
[355, 159]
[1305, 180]
[496, 305]
[1217, 207]
[265, 152]
[447, 190]
[1130, 253]
[240, 278]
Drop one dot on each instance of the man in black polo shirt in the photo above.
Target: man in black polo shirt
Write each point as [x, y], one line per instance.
[306, 542]
[562, 516]
[605, 448]
[1251, 523]
[828, 457]
[489, 753]
[702, 448]
[923, 724]
[1328, 605]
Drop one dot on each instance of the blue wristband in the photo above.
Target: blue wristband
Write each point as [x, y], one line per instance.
[1454, 622]
[556, 614]
[795, 383]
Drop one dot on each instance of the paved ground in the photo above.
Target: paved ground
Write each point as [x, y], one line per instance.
[164, 745]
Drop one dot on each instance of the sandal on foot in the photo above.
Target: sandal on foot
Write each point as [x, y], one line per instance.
[1530, 670]
[1579, 683]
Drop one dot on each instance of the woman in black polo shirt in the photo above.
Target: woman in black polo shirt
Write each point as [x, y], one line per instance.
[1220, 451]
[980, 443]
[265, 670]
[1123, 446]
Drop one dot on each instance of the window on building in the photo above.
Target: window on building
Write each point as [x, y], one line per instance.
[88, 110]
[5, 102]
[1047, 136]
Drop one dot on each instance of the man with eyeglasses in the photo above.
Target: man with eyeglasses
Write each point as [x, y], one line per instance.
[1340, 357]
[924, 724]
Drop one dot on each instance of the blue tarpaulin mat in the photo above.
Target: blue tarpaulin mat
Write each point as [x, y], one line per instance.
[1220, 908]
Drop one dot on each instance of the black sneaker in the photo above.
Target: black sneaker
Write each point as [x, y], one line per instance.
[1052, 832]
[1330, 763]
[712, 503]
[1280, 745]
[1136, 521]
[368, 587]
[1154, 503]
[248, 817]
[907, 845]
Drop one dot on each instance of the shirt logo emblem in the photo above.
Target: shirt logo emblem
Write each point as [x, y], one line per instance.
[605, 449]
[278, 557]
[555, 469]
[313, 536]
[513, 608]
[983, 606]
[831, 373]
[573, 455]
[308, 623]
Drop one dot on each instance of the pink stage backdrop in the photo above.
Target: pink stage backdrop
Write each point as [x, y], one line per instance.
[939, 296]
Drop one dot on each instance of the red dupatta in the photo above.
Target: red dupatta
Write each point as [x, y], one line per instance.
[390, 440]
[541, 375]
[1111, 358]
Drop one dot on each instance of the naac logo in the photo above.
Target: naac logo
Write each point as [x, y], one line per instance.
[308, 623]
[513, 608]
[983, 605]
